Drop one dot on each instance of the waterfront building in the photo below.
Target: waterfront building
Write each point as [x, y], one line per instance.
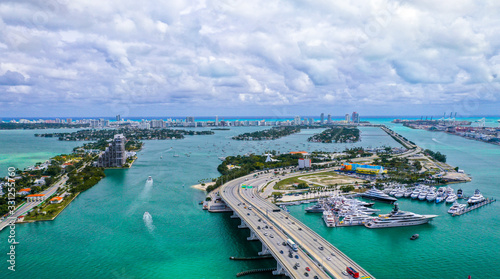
[216, 120]
[114, 155]
[329, 119]
[304, 163]
[118, 118]
[322, 118]
[296, 120]
[69, 120]
[347, 118]
[56, 200]
[24, 192]
[35, 197]
[190, 119]
[355, 117]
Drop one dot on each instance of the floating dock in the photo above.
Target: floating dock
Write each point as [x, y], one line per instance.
[476, 206]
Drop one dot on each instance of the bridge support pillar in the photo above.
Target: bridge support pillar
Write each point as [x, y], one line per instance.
[243, 225]
[252, 236]
[235, 215]
[280, 270]
[265, 251]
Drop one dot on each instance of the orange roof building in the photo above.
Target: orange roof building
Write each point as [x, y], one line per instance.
[56, 200]
[35, 197]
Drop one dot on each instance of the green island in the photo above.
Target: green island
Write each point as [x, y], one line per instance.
[33, 126]
[336, 135]
[129, 133]
[269, 134]
[237, 166]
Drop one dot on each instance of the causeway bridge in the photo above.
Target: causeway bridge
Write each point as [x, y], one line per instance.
[315, 257]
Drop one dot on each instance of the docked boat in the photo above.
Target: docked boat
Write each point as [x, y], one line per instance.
[415, 193]
[329, 218]
[451, 198]
[456, 208]
[355, 219]
[398, 218]
[477, 198]
[423, 195]
[375, 194]
[431, 196]
[408, 193]
[460, 194]
[400, 193]
[317, 208]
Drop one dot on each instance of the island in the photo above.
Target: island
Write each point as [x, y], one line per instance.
[269, 134]
[337, 135]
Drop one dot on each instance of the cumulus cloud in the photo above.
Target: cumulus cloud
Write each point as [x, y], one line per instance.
[156, 58]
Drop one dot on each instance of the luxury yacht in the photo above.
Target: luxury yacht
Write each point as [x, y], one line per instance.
[477, 198]
[399, 218]
[400, 193]
[355, 219]
[415, 193]
[451, 198]
[456, 208]
[317, 208]
[431, 196]
[375, 194]
[408, 193]
[329, 218]
[423, 195]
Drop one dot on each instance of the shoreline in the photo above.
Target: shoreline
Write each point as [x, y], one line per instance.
[201, 187]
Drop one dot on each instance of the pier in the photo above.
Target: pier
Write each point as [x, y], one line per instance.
[476, 206]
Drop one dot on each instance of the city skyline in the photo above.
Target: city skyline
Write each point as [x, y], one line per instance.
[83, 58]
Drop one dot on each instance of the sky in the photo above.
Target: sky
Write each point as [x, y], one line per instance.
[87, 58]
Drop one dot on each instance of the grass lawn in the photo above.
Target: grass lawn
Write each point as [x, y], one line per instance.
[51, 209]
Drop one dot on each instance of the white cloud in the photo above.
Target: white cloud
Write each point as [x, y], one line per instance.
[224, 54]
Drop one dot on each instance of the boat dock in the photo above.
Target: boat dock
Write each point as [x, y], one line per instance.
[476, 206]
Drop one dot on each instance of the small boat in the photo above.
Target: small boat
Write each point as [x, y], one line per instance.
[460, 193]
[415, 236]
[161, 157]
[456, 208]
[150, 179]
[176, 155]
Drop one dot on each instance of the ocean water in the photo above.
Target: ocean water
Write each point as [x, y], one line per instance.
[104, 233]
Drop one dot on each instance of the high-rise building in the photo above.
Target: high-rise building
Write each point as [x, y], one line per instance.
[322, 117]
[118, 118]
[69, 120]
[329, 119]
[114, 155]
[296, 120]
[190, 119]
[347, 118]
[216, 120]
[355, 117]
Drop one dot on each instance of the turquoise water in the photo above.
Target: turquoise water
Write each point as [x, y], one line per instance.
[102, 233]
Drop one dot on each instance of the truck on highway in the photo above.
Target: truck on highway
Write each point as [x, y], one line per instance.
[292, 245]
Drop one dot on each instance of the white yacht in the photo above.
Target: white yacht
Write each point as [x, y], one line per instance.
[423, 195]
[150, 179]
[451, 198]
[400, 193]
[393, 192]
[355, 219]
[399, 218]
[415, 193]
[375, 194]
[329, 218]
[456, 208]
[477, 198]
[431, 196]
[408, 193]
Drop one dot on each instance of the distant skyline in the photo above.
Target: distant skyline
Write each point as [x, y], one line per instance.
[87, 58]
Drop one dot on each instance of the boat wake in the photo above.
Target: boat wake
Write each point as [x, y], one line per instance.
[148, 221]
[435, 140]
